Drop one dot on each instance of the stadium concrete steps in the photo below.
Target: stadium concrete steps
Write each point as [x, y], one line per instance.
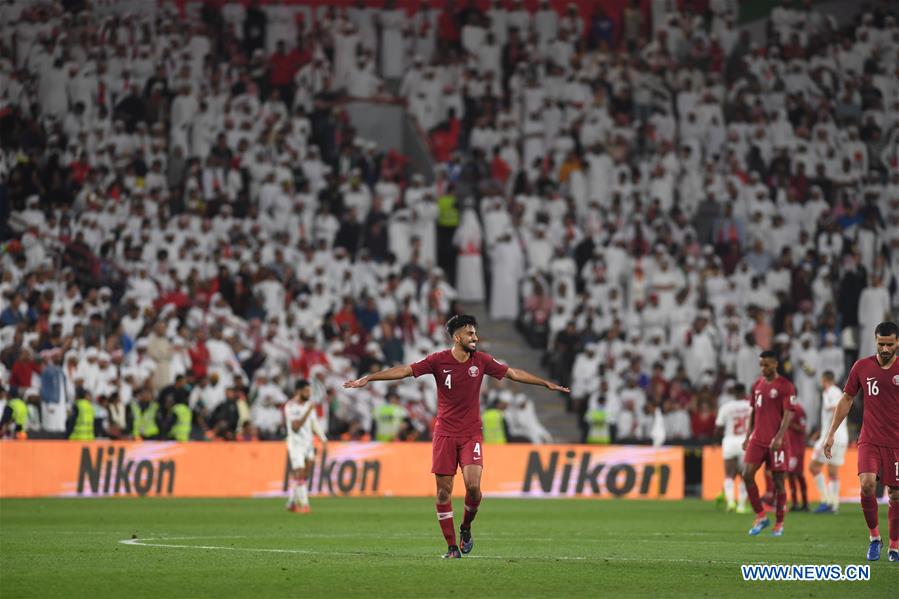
[501, 339]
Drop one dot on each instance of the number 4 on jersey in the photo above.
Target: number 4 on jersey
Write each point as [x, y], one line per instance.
[448, 383]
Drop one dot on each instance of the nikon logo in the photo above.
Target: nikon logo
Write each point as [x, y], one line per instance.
[108, 472]
[578, 474]
[341, 477]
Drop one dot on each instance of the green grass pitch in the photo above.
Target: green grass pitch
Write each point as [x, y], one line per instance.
[391, 548]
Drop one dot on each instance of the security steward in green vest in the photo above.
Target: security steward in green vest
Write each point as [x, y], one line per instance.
[14, 419]
[144, 417]
[179, 422]
[80, 425]
[494, 421]
[389, 418]
[598, 426]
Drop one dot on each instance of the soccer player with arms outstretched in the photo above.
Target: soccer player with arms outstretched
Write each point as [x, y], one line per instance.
[877, 377]
[458, 439]
[773, 400]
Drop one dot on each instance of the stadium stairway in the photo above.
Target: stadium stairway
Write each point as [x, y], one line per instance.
[501, 339]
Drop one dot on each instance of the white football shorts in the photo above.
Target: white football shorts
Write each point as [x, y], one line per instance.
[838, 451]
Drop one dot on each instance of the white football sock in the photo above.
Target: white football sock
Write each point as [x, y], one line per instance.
[822, 487]
[303, 493]
[729, 490]
[835, 493]
[291, 491]
[743, 495]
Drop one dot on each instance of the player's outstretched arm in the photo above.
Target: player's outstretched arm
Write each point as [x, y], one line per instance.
[839, 414]
[522, 376]
[390, 374]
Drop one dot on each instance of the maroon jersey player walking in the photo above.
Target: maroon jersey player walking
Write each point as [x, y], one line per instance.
[458, 439]
[877, 377]
[773, 401]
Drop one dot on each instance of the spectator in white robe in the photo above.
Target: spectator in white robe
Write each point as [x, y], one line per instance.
[363, 82]
[392, 21]
[424, 223]
[873, 308]
[832, 357]
[506, 270]
[808, 371]
[346, 42]
[468, 240]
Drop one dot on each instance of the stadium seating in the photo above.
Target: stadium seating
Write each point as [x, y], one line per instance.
[188, 213]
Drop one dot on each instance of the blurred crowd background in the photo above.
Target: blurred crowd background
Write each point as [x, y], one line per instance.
[191, 222]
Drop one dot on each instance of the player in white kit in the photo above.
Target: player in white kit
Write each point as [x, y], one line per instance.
[830, 492]
[302, 423]
[733, 418]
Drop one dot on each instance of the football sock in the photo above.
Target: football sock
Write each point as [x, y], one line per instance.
[780, 502]
[834, 494]
[753, 491]
[742, 501]
[729, 490]
[445, 518]
[291, 491]
[803, 489]
[822, 487]
[303, 493]
[869, 508]
[471, 510]
[894, 523]
[793, 492]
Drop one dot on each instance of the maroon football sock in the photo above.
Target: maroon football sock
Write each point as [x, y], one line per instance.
[780, 502]
[752, 490]
[894, 524]
[769, 485]
[445, 518]
[803, 489]
[793, 491]
[869, 508]
[471, 510]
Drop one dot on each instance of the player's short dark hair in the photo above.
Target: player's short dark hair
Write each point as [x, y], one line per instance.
[887, 328]
[458, 321]
[829, 375]
[739, 389]
[300, 385]
[768, 354]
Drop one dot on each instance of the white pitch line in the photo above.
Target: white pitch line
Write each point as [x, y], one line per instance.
[146, 543]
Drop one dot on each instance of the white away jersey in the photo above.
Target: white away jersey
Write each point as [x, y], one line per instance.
[829, 400]
[734, 417]
[294, 410]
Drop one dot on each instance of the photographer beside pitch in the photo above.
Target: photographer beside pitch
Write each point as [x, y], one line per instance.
[877, 377]
[458, 438]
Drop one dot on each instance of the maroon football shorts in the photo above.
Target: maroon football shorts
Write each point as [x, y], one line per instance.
[775, 461]
[449, 452]
[882, 461]
[796, 461]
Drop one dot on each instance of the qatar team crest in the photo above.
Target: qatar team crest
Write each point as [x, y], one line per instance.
[773, 393]
[473, 371]
[896, 380]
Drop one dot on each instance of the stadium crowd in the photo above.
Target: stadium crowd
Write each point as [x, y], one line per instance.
[192, 221]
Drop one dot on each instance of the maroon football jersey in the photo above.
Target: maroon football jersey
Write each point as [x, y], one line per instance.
[769, 402]
[880, 388]
[459, 389]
